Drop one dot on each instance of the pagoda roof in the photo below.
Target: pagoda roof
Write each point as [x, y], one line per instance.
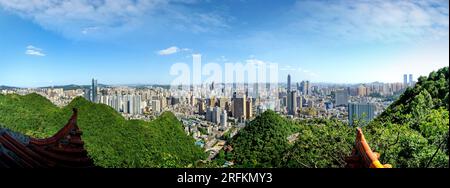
[64, 149]
[362, 155]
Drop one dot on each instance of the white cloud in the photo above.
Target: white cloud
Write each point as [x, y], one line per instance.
[287, 68]
[78, 18]
[299, 72]
[373, 20]
[34, 51]
[88, 30]
[172, 50]
[169, 51]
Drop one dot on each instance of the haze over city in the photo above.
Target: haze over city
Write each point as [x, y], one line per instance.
[136, 42]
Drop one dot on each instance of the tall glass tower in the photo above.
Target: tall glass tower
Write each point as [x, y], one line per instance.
[405, 80]
[94, 90]
[410, 79]
[289, 83]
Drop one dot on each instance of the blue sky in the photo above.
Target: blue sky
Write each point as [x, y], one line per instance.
[137, 41]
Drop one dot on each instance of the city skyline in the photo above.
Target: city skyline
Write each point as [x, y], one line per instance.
[281, 83]
[138, 45]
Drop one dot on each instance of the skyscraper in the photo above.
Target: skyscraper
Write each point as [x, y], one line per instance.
[94, 90]
[411, 83]
[87, 94]
[209, 114]
[341, 98]
[222, 102]
[362, 91]
[308, 88]
[211, 102]
[137, 104]
[292, 103]
[289, 83]
[201, 107]
[405, 80]
[216, 115]
[299, 102]
[305, 87]
[156, 106]
[302, 88]
[223, 119]
[249, 109]
[239, 106]
[192, 100]
[364, 112]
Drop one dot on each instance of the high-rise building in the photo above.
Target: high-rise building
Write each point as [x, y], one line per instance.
[363, 112]
[223, 119]
[362, 90]
[137, 104]
[201, 107]
[132, 104]
[174, 100]
[289, 83]
[308, 88]
[411, 82]
[292, 103]
[299, 102]
[193, 100]
[156, 106]
[209, 114]
[116, 102]
[405, 80]
[256, 88]
[305, 87]
[341, 98]
[239, 106]
[211, 102]
[87, 94]
[310, 103]
[222, 102]
[215, 118]
[94, 90]
[249, 110]
[302, 88]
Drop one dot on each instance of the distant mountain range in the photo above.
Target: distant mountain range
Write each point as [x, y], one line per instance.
[74, 86]
[165, 86]
[6, 87]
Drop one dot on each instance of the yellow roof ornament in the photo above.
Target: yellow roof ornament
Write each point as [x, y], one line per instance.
[362, 156]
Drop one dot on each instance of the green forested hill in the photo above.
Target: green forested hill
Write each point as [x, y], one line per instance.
[411, 133]
[263, 142]
[273, 141]
[415, 127]
[110, 140]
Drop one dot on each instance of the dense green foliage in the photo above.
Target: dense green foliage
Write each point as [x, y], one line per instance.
[415, 127]
[273, 141]
[412, 132]
[110, 140]
[263, 142]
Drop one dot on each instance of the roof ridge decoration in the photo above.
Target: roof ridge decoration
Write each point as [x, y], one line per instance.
[64, 149]
[362, 156]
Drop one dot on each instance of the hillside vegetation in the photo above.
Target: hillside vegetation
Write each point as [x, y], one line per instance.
[111, 141]
[411, 133]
